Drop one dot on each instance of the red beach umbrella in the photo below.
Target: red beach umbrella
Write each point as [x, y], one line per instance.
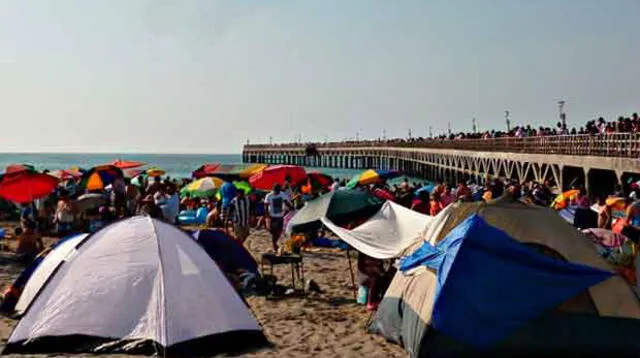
[205, 170]
[18, 168]
[266, 179]
[66, 174]
[320, 179]
[127, 164]
[25, 187]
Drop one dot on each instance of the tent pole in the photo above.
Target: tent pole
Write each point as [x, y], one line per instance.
[353, 281]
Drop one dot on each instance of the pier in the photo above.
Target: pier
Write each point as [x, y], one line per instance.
[598, 162]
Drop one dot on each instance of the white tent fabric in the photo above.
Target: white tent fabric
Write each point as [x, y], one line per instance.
[385, 235]
[45, 269]
[141, 280]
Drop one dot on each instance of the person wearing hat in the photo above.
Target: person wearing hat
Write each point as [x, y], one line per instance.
[148, 207]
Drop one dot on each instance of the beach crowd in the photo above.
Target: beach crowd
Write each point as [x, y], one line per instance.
[239, 212]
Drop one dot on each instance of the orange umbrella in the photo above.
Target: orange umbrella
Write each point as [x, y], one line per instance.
[127, 164]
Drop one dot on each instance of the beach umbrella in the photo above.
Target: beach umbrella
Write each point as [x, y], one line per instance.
[319, 179]
[18, 168]
[384, 194]
[371, 177]
[155, 172]
[242, 185]
[239, 185]
[97, 178]
[24, 187]
[66, 174]
[202, 188]
[205, 170]
[341, 207]
[252, 169]
[560, 203]
[267, 178]
[90, 201]
[126, 164]
[132, 173]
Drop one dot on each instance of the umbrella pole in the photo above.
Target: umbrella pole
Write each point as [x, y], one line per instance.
[353, 281]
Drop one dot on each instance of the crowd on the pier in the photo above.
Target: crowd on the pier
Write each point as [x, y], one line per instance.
[599, 126]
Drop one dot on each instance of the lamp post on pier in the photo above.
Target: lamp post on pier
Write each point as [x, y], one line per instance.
[506, 117]
[562, 115]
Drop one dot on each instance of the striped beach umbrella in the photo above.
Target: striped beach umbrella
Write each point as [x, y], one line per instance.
[97, 178]
[202, 188]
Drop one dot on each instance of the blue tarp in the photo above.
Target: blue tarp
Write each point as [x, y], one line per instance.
[489, 284]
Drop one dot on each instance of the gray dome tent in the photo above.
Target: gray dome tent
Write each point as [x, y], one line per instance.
[137, 286]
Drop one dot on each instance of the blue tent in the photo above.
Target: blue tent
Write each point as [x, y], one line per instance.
[228, 253]
[490, 285]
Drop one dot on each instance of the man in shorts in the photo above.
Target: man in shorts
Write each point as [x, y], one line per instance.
[276, 203]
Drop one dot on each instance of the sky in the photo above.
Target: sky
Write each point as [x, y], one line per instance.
[190, 76]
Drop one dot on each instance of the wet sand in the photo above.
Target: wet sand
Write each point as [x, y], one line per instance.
[327, 324]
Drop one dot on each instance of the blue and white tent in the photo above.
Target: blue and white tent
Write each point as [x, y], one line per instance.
[478, 289]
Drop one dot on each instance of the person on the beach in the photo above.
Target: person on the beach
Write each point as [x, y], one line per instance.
[171, 208]
[65, 214]
[373, 276]
[133, 195]
[435, 205]
[148, 207]
[120, 197]
[336, 184]
[240, 212]
[155, 186]
[276, 204]
[29, 241]
[421, 203]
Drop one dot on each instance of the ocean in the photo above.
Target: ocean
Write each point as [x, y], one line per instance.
[175, 165]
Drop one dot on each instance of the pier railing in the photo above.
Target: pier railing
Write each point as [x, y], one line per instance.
[607, 145]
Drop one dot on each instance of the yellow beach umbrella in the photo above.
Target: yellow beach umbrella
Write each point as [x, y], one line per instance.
[155, 172]
[204, 187]
[252, 169]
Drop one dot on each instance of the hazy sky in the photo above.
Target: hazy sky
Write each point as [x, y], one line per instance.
[190, 76]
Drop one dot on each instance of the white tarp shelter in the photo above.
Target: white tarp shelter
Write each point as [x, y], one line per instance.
[137, 286]
[386, 234]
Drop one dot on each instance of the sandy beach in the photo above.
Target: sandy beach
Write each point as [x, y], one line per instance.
[327, 324]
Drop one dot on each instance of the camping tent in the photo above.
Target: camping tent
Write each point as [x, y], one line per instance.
[228, 253]
[406, 313]
[386, 234]
[21, 284]
[45, 268]
[123, 290]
